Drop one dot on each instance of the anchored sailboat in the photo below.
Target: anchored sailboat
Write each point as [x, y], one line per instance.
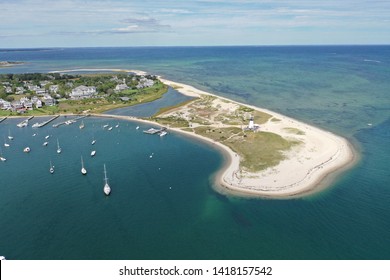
[5, 143]
[58, 147]
[51, 169]
[83, 170]
[1, 156]
[82, 125]
[9, 135]
[106, 189]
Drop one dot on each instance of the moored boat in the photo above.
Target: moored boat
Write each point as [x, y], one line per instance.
[93, 153]
[27, 150]
[106, 188]
[58, 147]
[83, 170]
[9, 135]
[51, 169]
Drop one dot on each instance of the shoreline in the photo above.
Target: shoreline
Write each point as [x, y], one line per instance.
[306, 170]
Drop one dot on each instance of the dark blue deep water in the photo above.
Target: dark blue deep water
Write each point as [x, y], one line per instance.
[165, 207]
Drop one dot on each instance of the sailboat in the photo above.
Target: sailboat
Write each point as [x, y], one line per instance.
[83, 170]
[82, 125]
[58, 147]
[9, 135]
[5, 143]
[106, 188]
[93, 141]
[1, 156]
[51, 169]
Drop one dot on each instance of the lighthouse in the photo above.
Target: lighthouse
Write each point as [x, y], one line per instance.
[251, 125]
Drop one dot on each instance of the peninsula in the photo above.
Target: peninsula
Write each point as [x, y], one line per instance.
[267, 154]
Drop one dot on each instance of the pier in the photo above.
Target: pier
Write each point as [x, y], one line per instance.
[154, 130]
[3, 119]
[67, 122]
[25, 122]
[46, 122]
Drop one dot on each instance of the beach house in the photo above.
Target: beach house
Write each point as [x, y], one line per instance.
[82, 92]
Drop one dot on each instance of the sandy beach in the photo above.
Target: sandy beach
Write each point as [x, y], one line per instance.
[306, 169]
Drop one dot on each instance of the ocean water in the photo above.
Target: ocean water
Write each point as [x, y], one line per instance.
[165, 207]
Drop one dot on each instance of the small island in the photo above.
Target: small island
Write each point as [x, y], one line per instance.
[10, 63]
[267, 154]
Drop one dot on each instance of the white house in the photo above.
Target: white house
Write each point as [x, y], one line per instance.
[82, 92]
[48, 100]
[54, 88]
[121, 87]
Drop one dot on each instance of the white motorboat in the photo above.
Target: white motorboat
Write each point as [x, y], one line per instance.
[110, 128]
[163, 133]
[27, 150]
[45, 143]
[47, 136]
[93, 153]
[81, 126]
[83, 170]
[106, 188]
[93, 142]
[137, 127]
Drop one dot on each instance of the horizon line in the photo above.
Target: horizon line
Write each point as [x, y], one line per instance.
[199, 46]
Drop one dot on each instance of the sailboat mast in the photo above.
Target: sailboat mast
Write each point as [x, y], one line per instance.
[105, 174]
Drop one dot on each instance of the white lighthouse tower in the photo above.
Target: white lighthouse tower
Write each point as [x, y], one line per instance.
[251, 125]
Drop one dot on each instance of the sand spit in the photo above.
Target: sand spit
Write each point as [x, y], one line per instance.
[304, 170]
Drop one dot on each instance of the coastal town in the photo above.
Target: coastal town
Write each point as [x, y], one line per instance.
[23, 93]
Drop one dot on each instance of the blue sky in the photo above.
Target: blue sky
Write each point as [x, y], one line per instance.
[88, 23]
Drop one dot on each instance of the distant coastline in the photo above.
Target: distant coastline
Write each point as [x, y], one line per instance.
[305, 169]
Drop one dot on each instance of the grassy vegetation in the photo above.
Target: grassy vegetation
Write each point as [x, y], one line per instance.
[294, 130]
[171, 121]
[258, 150]
[169, 108]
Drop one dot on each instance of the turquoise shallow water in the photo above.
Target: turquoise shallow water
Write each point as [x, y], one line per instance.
[173, 212]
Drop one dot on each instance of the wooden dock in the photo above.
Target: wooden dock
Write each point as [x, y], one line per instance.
[70, 121]
[46, 122]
